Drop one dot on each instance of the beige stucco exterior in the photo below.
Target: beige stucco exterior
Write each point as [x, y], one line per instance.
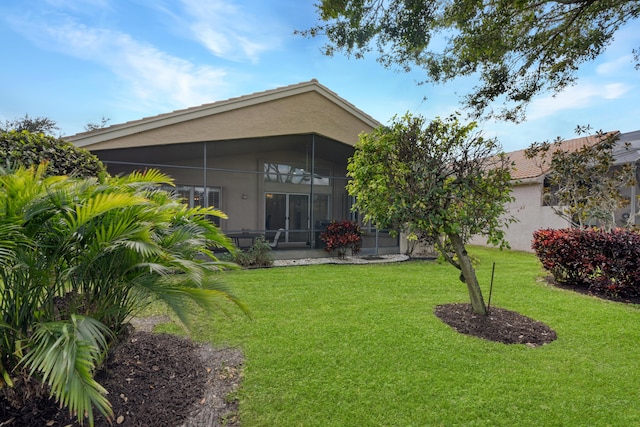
[298, 109]
[224, 147]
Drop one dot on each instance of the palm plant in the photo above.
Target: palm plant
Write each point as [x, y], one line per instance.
[78, 257]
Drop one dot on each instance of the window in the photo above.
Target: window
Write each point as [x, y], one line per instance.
[288, 174]
[194, 196]
[548, 193]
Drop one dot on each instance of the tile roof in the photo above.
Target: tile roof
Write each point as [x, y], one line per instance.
[532, 168]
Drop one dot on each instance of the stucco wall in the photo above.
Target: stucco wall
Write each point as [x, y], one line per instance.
[298, 114]
[531, 215]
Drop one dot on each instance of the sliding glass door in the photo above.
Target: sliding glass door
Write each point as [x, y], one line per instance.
[290, 212]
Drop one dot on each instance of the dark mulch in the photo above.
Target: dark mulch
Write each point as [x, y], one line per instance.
[500, 325]
[510, 327]
[153, 380]
[584, 289]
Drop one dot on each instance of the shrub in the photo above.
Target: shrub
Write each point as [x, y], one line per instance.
[78, 256]
[604, 262]
[341, 236]
[258, 255]
[561, 254]
[62, 157]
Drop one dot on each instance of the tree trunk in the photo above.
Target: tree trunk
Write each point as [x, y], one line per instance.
[475, 293]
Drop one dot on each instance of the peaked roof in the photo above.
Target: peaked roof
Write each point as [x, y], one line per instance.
[526, 168]
[316, 109]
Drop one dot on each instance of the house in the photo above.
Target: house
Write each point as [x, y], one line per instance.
[270, 160]
[627, 151]
[531, 209]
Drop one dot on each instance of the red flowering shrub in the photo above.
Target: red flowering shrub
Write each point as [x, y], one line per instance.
[605, 262]
[342, 235]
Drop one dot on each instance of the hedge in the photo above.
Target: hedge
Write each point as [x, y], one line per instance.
[603, 262]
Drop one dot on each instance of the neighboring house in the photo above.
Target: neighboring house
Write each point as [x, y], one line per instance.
[531, 209]
[628, 151]
[270, 160]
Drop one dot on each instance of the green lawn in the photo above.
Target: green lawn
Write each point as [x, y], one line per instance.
[359, 345]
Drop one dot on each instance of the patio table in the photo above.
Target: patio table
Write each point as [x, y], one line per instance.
[245, 239]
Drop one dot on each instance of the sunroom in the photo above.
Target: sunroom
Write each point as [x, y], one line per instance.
[273, 160]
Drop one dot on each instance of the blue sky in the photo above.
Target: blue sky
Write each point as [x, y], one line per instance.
[78, 61]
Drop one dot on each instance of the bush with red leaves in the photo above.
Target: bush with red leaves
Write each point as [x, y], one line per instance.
[603, 262]
[341, 236]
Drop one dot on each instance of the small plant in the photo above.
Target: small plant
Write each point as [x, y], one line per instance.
[341, 236]
[258, 255]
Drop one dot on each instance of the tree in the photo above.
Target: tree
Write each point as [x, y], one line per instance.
[95, 126]
[63, 158]
[34, 125]
[440, 178]
[518, 49]
[584, 187]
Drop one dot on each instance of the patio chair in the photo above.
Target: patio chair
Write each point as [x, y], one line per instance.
[274, 243]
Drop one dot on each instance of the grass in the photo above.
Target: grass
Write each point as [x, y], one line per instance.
[359, 345]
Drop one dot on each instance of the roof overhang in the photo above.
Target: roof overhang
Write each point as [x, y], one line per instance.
[304, 108]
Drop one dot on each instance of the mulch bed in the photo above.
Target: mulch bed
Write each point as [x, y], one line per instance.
[153, 380]
[582, 289]
[500, 325]
[510, 327]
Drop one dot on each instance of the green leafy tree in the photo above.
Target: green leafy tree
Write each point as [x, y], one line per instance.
[584, 186]
[78, 257]
[440, 179]
[25, 148]
[517, 48]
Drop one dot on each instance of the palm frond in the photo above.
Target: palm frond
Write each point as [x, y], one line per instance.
[10, 237]
[146, 250]
[99, 204]
[153, 268]
[140, 180]
[178, 291]
[66, 354]
[105, 247]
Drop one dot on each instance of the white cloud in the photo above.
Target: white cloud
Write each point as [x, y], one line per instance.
[151, 76]
[575, 97]
[624, 63]
[228, 31]
[156, 75]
